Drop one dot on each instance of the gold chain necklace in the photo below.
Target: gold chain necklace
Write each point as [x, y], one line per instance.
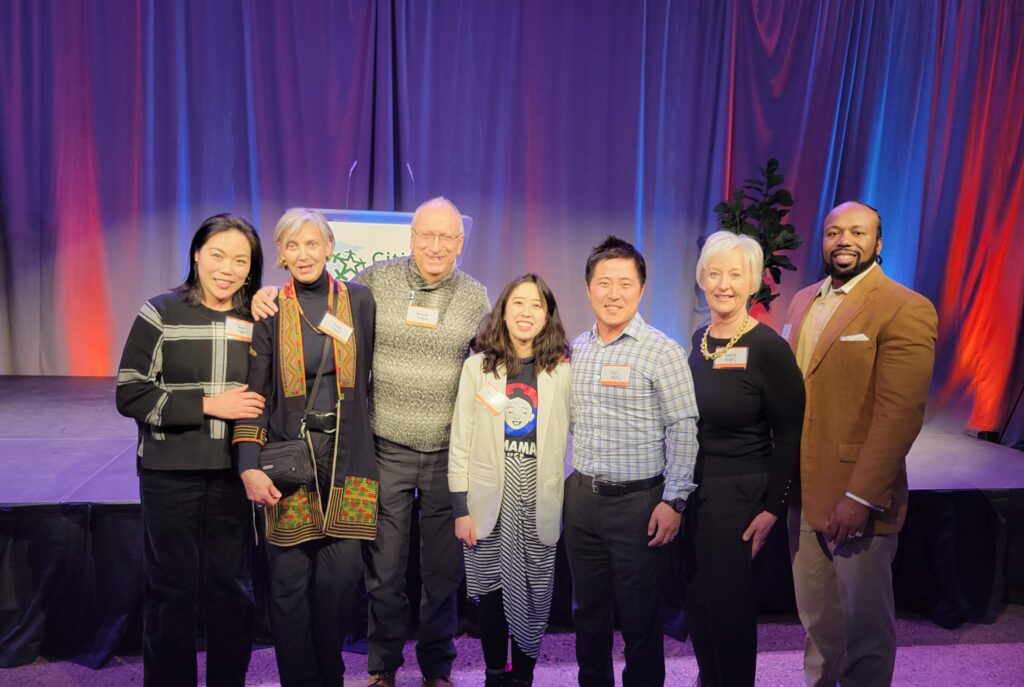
[722, 351]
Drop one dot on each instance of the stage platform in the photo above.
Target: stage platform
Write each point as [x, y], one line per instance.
[70, 530]
[62, 441]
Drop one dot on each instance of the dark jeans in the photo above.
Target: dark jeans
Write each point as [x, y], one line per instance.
[606, 540]
[721, 607]
[314, 590]
[197, 528]
[403, 473]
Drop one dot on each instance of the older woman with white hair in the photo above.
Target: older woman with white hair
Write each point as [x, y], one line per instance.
[750, 395]
[318, 345]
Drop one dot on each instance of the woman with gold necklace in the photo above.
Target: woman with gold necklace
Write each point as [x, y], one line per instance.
[750, 395]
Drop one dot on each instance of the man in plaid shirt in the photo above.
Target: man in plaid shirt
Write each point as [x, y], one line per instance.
[634, 448]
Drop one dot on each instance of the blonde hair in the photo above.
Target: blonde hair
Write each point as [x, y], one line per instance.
[724, 242]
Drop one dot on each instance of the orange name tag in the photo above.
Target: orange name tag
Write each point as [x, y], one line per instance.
[734, 359]
[237, 329]
[335, 327]
[418, 316]
[615, 375]
[492, 399]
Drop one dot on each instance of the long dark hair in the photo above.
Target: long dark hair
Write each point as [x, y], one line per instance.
[549, 348]
[192, 289]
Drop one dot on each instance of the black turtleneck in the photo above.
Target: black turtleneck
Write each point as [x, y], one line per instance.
[313, 301]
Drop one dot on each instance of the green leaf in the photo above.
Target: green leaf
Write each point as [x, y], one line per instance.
[757, 209]
[782, 197]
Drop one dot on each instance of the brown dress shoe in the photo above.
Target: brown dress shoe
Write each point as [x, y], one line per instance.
[385, 679]
[437, 682]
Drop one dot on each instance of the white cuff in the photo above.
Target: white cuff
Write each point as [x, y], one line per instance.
[865, 503]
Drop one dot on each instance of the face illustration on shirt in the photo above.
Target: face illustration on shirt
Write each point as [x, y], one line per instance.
[521, 413]
[518, 413]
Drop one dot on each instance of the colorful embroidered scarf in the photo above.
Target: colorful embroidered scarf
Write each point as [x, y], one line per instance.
[293, 366]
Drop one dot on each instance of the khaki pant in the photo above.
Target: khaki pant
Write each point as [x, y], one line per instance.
[845, 600]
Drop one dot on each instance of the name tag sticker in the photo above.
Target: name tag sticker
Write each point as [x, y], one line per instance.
[335, 327]
[786, 329]
[237, 329]
[615, 375]
[734, 359]
[419, 316]
[492, 399]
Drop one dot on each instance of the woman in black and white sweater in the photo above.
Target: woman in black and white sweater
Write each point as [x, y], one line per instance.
[182, 378]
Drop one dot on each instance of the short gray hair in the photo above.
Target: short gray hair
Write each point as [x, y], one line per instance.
[439, 201]
[723, 242]
[291, 223]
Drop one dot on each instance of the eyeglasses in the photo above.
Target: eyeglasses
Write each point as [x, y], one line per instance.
[428, 238]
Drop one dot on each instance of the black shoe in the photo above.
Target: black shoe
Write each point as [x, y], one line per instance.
[496, 679]
[437, 682]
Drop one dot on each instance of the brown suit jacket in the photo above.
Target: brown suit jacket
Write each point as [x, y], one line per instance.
[867, 384]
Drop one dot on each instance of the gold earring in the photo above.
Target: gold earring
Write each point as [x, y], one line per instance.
[281, 262]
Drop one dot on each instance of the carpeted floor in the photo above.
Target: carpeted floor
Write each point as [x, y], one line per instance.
[928, 656]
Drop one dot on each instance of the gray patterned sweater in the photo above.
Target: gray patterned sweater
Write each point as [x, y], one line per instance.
[416, 369]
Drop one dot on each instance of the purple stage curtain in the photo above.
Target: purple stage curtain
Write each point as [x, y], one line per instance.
[124, 123]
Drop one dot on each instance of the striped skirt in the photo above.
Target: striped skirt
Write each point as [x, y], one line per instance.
[511, 558]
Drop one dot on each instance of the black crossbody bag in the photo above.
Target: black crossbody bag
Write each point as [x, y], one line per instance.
[289, 464]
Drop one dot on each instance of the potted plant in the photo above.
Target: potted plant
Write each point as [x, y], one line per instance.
[758, 210]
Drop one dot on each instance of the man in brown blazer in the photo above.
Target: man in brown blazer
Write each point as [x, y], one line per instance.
[866, 346]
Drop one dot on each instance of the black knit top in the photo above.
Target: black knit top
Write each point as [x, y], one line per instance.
[750, 416]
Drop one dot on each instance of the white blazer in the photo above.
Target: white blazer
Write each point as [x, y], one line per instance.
[476, 452]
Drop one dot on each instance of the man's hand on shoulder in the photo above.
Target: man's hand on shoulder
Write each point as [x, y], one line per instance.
[263, 305]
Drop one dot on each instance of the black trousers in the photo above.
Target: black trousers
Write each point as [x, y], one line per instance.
[606, 541]
[721, 607]
[197, 528]
[404, 473]
[314, 591]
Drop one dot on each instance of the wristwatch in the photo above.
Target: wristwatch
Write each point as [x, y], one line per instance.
[676, 504]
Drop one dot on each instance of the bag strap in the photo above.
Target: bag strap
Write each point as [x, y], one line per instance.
[316, 385]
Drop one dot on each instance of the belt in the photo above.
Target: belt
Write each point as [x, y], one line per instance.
[607, 488]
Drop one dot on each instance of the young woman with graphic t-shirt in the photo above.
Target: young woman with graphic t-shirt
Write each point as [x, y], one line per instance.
[505, 472]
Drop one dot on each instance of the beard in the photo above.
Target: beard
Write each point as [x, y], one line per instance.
[848, 273]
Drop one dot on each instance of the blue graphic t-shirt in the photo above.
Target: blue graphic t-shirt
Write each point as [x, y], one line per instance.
[521, 413]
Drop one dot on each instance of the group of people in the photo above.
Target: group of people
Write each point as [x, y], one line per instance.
[413, 395]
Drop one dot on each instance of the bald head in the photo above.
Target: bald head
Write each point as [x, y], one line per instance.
[852, 240]
[436, 239]
[862, 211]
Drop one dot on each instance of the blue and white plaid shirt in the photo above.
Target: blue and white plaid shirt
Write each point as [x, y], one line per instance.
[647, 428]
